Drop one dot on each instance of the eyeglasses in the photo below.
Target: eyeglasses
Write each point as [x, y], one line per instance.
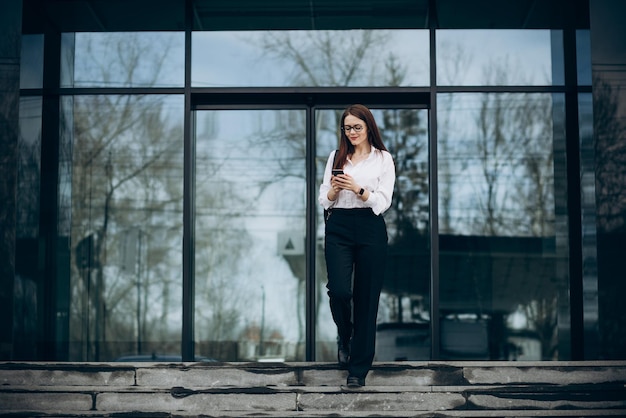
[348, 128]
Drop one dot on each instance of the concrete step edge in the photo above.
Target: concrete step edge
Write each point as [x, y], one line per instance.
[323, 413]
[588, 388]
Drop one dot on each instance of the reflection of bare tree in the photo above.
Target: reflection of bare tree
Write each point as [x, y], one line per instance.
[611, 152]
[516, 162]
[542, 316]
[126, 176]
[451, 74]
[327, 58]
[610, 158]
[122, 177]
[28, 177]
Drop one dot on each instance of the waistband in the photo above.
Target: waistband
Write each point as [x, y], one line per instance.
[353, 211]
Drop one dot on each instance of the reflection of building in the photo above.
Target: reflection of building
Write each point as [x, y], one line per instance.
[507, 126]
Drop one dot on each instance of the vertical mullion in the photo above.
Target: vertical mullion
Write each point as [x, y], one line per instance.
[433, 198]
[572, 152]
[187, 338]
[310, 244]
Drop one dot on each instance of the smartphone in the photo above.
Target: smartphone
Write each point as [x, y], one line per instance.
[337, 171]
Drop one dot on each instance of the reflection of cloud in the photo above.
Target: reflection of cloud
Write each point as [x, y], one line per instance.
[528, 52]
[223, 59]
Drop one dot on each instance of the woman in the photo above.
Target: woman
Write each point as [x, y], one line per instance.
[356, 236]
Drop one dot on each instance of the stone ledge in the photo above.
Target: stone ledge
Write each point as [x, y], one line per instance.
[319, 413]
[423, 374]
[183, 391]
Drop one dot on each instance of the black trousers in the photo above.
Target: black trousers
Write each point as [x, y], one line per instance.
[356, 252]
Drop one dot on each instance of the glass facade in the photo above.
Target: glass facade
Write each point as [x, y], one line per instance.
[500, 277]
[250, 234]
[124, 207]
[495, 58]
[187, 165]
[126, 59]
[310, 58]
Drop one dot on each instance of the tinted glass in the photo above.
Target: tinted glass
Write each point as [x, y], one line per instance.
[31, 62]
[404, 312]
[503, 236]
[310, 58]
[126, 226]
[589, 222]
[124, 59]
[29, 168]
[250, 232]
[27, 282]
[583, 57]
[494, 57]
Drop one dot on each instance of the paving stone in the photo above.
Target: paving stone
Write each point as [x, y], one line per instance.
[215, 377]
[73, 377]
[407, 377]
[551, 375]
[540, 403]
[365, 401]
[45, 401]
[199, 403]
[317, 377]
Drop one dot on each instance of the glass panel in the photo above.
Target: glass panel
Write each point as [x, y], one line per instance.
[404, 312]
[583, 57]
[494, 57]
[589, 222]
[29, 168]
[126, 227]
[31, 62]
[310, 58]
[25, 331]
[250, 235]
[502, 232]
[124, 59]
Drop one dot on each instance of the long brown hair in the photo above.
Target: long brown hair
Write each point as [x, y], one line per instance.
[373, 134]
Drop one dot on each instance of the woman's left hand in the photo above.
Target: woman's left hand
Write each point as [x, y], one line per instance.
[346, 182]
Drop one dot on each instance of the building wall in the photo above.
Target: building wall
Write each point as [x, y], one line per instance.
[608, 56]
[608, 53]
[10, 35]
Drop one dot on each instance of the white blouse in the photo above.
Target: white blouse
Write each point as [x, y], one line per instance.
[377, 173]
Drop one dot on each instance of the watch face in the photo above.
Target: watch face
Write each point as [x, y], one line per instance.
[361, 191]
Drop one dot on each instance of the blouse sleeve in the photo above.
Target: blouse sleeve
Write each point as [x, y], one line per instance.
[380, 198]
[325, 186]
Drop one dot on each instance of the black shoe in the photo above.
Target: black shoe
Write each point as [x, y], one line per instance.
[355, 382]
[343, 355]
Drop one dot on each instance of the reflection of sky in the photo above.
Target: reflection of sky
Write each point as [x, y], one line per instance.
[236, 59]
[221, 59]
[233, 59]
[526, 54]
[156, 59]
[237, 141]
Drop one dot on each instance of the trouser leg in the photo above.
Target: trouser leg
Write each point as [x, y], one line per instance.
[370, 258]
[339, 265]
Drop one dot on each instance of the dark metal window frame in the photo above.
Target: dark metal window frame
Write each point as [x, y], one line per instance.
[308, 98]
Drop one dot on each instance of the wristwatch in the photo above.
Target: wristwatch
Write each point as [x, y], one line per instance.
[361, 191]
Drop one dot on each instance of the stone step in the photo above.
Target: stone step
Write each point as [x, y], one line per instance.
[320, 413]
[309, 374]
[312, 398]
[469, 389]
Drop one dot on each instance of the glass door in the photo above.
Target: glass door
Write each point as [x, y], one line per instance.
[251, 263]
[250, 235]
